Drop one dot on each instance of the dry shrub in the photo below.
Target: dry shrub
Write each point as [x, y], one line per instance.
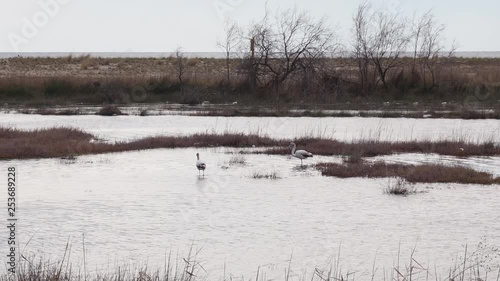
[109, 110]
[400, 187]
[237, 160]
[88, 62]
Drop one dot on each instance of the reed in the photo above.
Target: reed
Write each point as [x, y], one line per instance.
[237, 159]
[427, 173]
[63, 142]
[26, 80]
[468, 267]
[400, 186]
[273, 175]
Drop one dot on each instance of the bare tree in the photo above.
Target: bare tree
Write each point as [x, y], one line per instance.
[389, 44]
[381, 37]
[230, 42]
[362, 45]
[427, 45]
[180, 64]
[289, 43]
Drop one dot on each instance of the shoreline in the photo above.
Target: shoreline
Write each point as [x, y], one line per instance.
[448, 111]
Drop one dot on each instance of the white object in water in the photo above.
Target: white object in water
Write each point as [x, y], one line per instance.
[200, 164]
[301, 154]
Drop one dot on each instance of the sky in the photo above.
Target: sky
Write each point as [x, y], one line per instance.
[196, 25]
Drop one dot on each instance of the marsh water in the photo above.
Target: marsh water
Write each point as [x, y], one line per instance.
[136, 207]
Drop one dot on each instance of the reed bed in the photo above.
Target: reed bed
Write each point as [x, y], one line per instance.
[371, 148]
[427, 173]
[64, 142]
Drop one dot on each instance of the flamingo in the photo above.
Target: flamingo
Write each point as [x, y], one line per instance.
[200, 164]
[301, 154]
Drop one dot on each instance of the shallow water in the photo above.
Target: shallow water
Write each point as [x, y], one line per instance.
[394, 129]
[135, 207]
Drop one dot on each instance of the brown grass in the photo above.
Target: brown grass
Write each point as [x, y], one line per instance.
[411, 173]
[273, 175]
[376, 148]
[63, 142]
[24, 80]
[400, 187]
[88, 62]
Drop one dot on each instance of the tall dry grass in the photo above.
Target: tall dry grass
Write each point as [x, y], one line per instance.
[371, 148]
[426, 173]
[471, 266]
[63, 142]
[204, 79]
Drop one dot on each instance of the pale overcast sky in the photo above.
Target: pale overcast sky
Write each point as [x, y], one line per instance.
[195, 25]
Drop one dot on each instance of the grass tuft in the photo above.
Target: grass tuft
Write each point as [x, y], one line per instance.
[237, 159]
[400, 187]
[265, 175]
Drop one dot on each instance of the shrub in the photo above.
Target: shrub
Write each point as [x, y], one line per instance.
[57, 88]
[237, 159]
[88, 62]
[400, 187]
[109, 110]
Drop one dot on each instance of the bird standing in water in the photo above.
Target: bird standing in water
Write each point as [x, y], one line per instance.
[200, 164]
[301, 154]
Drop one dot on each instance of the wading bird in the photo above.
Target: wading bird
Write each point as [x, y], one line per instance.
[301, 154]
[200, 164]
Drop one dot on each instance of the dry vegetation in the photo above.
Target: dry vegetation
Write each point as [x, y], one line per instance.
[470, 267]
[237, 159]
[49, 81]
[450, 112]
[367, 148]
[292, 58]
[63, 142]
[273, 175]
[400, 187]
[411, 173]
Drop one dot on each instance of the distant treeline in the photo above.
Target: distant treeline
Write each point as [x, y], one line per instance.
[286, 57]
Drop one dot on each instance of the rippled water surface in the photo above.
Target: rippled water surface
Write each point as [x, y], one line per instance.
[136, 206]
[129, 127]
